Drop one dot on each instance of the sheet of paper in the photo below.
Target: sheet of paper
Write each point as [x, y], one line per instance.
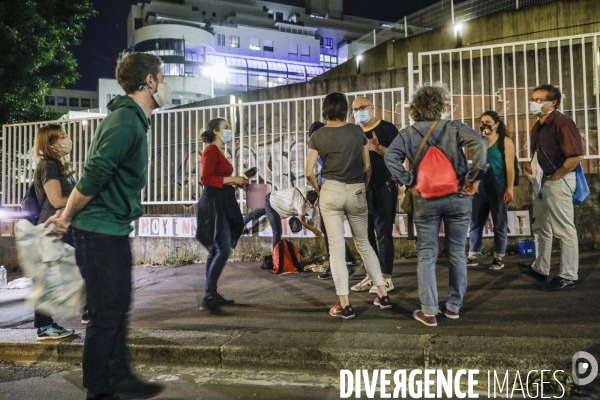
[536, 177]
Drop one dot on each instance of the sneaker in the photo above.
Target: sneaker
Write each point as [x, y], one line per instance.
[527, 269]
[344, 313]
[133, 387]
[222, 301]
[472, 262]
[497, 264]
[210, 303]
[85, 318]
[363, 285]
[558, 283]
[53, 331]
[326, 274]
[389, 286]
[425, 319]
[382, 302]
[447, 313]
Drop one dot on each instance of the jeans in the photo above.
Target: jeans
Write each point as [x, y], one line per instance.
[339, 199]
[217, 257]
[554, 215]
[455, 211]
[273, 217]
[483, 203]
[383, 202]
[105, 261]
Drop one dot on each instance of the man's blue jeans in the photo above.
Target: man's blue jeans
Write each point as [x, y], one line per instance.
[217, 257]
[105, 263]
[484, 203]
[455, 212]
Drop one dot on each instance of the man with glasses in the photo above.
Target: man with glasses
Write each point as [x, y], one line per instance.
[382, 193]
[556, 143]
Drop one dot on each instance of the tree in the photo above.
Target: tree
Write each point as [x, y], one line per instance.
[34, 36]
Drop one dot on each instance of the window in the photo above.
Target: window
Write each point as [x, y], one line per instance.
[220, 39]
[268, 45]
[50, 100]
[234, 41]
[293, 48]
[278, 16]
[321, 58]
[61, 101]
[86, 103]
[334, 59]
[329, 43]
[321, 42]
[203, 12]
[214, 14]
[254, 44]
[270, 14]
[305, 50]
[73, 102]
[176, 101]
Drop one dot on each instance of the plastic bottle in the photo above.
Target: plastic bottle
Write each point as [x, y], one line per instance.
[3, 282]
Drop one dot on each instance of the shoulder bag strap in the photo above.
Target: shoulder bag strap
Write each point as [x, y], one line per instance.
[420, 149]
[290, 247]
[281, 254]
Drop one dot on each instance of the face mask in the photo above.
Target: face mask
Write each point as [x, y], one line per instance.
[536, 108]
[445, 115]
[486, 129]
[162, 95]
[362, 117]
[64, 146]
[227, 136]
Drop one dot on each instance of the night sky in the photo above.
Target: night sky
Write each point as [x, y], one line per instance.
[105, 35]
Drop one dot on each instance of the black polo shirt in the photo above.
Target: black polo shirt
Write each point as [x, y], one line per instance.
[386, 133]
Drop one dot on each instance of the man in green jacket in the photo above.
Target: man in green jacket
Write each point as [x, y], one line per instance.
[100, 209]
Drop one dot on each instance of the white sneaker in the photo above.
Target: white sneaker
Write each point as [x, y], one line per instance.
[363, 285]
[389, 286]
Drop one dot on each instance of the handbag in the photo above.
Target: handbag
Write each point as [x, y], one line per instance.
[407, 203]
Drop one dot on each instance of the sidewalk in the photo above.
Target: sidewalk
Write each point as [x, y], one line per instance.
[507, 322]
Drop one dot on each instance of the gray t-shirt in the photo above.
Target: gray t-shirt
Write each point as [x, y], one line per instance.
[341, 150]
[45, 171]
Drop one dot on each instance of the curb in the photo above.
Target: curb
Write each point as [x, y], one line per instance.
[315, 351]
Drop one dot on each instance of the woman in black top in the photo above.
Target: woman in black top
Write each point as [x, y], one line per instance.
[53, 183]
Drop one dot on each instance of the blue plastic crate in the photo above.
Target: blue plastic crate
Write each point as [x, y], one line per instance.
[527, 248]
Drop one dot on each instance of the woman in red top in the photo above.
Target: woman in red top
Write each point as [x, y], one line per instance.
[220, 222]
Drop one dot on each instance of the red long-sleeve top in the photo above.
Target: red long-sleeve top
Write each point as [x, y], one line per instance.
[215, 167]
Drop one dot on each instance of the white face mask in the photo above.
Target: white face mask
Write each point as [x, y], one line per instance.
[362, 117]
[536, 108]
[446, 115]
[227, 136]
[162, 95]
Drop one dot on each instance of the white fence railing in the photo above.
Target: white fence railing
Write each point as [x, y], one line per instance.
[271, 135]
[501, 77]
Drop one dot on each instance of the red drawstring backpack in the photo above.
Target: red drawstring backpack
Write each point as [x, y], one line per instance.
[436, 176]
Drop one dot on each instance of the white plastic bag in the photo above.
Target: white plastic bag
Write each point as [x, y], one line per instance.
[58, 288]
[20, 283]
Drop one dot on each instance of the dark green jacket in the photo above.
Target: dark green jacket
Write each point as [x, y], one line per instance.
[115, 171]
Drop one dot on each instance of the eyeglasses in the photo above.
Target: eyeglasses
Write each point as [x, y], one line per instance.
[361, 108]
[538, 100]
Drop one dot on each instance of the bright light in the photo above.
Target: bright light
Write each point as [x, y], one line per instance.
[219, 74]
[359, 58]
[458, 28]
[84, 122]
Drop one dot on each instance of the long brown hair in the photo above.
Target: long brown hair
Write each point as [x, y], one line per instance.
[46, 136]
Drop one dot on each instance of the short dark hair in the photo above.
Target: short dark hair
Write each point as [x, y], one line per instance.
[209, 135]
[335, 107]
[132, 69]
[496, 117]
[312, 196]
[553, 92]
[315, 126]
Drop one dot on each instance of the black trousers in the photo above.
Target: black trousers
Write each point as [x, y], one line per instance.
[106, 267]
[382, 201]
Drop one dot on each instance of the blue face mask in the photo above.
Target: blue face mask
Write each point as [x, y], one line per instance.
[362, 117]
[227, 135]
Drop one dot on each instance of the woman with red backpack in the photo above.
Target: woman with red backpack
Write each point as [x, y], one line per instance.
[495, 190]
[440, 183]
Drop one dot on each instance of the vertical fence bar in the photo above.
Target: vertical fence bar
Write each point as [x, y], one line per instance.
[504, 100]
[560, 72]
[526, 94]
[596, 65]
[515, 100]
[585, 97]
[573, 113]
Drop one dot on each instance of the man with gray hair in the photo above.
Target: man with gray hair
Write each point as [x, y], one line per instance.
[101, 208]
[557, 144]
[454, 209]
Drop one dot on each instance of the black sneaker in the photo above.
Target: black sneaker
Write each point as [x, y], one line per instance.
[472, 262]
[558, 283]
[326, 274]
[527, 269]
[85, 318]
[133, 387]
[210, 303]
[222, 300]
[497, 264]
[344, 313]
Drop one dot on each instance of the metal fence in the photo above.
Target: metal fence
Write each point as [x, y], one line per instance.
[501, 78]
[271, 135]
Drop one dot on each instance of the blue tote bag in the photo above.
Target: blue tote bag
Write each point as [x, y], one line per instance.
[582, 190]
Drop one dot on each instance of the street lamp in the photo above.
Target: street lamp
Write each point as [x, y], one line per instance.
[215, 73]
